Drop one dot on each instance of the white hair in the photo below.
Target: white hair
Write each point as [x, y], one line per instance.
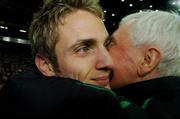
[162, 29]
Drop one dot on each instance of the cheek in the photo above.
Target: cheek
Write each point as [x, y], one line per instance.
[79, 69]
[67, 67]
[124, 63]
[121, 56]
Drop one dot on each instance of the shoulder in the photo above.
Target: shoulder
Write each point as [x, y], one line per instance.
[37, 81]
[65, 96]
[32, 85]
[92, 88]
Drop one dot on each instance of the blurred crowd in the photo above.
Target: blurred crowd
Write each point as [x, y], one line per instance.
[14, 58]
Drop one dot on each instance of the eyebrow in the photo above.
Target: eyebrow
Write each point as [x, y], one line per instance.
[83, 41]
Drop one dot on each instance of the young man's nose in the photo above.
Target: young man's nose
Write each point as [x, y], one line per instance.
[104, 60]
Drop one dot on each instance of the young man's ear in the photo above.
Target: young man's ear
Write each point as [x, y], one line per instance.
[44, 65]
[150, 60]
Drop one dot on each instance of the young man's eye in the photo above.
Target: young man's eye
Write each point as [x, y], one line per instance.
[82, 49]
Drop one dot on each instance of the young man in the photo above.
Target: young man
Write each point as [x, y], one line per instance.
[146, 54]
[69, 39]
[69, 42]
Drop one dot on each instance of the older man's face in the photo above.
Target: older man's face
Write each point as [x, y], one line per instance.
[125, 58]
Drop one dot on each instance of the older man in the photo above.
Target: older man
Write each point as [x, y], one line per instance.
[146, 53]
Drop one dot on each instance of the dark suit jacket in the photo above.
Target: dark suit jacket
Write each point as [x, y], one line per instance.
[32, 95]
[159, 98]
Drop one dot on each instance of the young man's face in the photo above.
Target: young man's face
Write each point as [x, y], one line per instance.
[81, 52]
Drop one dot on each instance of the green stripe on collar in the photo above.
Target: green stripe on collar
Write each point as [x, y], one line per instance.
[144, 105]
[124, 104]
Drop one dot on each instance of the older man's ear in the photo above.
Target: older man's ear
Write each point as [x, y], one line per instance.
[150, 59]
